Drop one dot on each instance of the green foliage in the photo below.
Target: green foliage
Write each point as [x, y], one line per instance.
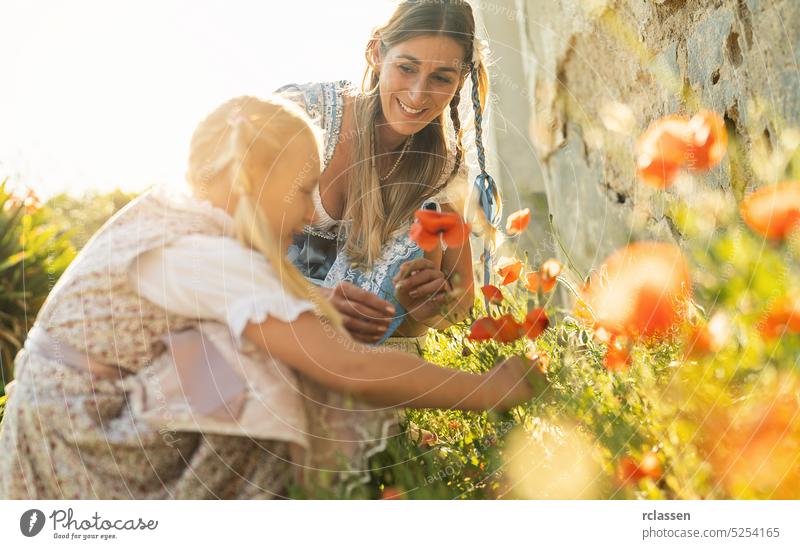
[83, 215]
[723, 423]
[33, 254]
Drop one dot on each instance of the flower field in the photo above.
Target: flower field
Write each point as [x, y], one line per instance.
[675, 375]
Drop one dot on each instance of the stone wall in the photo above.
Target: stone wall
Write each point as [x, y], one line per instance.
[563, 62]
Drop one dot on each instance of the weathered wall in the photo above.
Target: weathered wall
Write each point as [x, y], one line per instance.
[738, 57]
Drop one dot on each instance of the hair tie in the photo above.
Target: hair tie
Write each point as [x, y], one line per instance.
[480, 50]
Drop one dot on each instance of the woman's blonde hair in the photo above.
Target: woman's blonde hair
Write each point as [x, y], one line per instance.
[377, 210]
[237, 145]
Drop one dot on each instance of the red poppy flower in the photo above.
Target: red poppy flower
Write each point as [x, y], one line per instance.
[433, 227]
[503, 330]
[536, 322]
[643, 290]
[509, 268]
[630, 472]
[508, 329]
[774, 210]
[518, 221]
[709, 141]
[483, 329]
[492, 293]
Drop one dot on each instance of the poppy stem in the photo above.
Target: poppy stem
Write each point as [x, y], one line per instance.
[563, 249]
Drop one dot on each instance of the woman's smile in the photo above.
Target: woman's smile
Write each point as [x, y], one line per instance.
[409, 111]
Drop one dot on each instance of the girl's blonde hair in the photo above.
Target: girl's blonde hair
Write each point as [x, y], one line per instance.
[236, 146]
[376, 209]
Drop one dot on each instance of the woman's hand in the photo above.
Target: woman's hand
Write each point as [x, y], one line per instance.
[421, 288]
[365, 316]
[513, 381]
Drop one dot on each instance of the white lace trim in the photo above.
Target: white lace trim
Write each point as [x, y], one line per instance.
[257, 309]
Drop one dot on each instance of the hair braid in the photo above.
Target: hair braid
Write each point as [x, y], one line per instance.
[458, 132]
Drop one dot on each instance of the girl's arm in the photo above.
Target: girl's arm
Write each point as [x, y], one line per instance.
[386, 377]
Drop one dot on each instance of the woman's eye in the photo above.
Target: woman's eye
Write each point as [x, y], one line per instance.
[406, 69]
[443, 79]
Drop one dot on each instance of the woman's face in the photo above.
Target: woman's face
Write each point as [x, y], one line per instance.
[417, 80]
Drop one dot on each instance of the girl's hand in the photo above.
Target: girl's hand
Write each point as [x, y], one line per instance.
[365, 316]
[421, 288]
[513, 381]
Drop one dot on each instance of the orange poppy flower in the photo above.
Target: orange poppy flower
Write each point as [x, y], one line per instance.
[618, 355]
[708, 337]
[709, 141]
[509, 268]
[492, 293]
[782, 318]
[631, 472]
[662, 150]
[518, 221]
[536, 322]
[643, 290]
[545, 277]
[774, 210]
[433, 227]
[390, 492]
[674, 141]
[753, 447]
[533, 281]
[541, 361]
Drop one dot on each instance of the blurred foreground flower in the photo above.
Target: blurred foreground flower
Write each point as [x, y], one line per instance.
[629, 471]
[773, 210]
[674, 142]
[783, 317]
[557, 465]
[708, 337]
[642, 290]
[754, 447]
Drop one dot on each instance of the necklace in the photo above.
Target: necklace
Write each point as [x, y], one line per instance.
[407, 145]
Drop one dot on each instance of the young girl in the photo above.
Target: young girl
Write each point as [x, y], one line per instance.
[182, 356]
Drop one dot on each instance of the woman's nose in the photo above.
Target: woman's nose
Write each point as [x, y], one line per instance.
[416, 92]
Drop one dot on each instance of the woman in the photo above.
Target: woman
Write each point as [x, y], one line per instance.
[390, 150]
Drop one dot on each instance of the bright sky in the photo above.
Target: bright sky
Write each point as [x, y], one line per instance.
[100, 94]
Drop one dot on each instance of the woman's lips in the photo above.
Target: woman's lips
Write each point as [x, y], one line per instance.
[410, 115]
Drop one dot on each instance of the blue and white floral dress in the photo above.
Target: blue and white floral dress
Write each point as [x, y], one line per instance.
[318, 252]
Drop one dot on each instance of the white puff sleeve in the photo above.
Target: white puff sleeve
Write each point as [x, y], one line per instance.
[214, 278]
